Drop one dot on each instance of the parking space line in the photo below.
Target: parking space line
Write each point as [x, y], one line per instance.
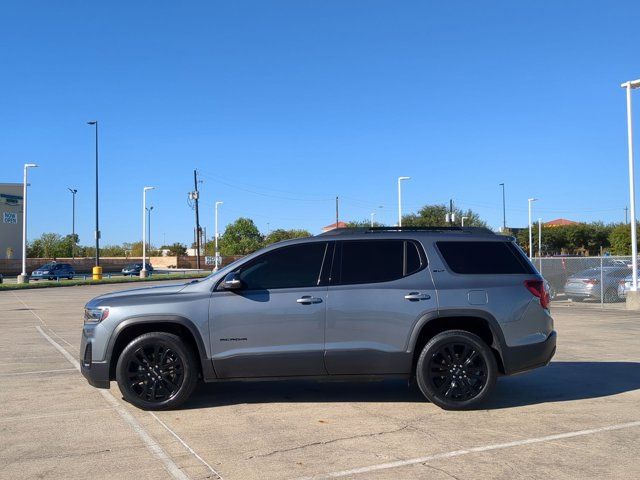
[27, 307]
[458, 453]
[150, 443]
[37, 372]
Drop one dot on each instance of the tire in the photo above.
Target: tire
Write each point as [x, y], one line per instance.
[437, 381]
[611, 296]
[146, 356]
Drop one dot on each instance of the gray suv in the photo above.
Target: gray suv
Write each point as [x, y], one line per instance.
[451, 309]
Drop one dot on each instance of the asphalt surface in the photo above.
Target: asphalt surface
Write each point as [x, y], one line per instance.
[577, 418]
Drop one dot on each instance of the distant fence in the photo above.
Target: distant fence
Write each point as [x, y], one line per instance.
[591, 279]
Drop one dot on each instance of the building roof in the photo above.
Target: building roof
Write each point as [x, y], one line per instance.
[560, 222]
[333, 226]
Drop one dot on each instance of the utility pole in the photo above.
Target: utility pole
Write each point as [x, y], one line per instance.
[73, 221]
[195, 196]
[337, 216]
[504, 211]
[450, 217]
[626, 217]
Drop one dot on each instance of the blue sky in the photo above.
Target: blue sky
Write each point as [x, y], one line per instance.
[281, 105]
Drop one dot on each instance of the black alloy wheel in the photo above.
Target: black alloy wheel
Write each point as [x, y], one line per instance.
[156, 371]
[456, 370]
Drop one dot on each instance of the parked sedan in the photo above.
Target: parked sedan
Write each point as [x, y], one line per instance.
[53, 271]
[587, 284]
[135, 268]
[625, 285]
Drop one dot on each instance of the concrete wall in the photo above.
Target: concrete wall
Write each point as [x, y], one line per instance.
[10, 212]
[83, 265]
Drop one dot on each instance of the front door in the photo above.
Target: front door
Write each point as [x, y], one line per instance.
[378, 292]
[274, 324]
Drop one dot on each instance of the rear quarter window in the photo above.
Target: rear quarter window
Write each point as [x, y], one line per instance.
[484, 258]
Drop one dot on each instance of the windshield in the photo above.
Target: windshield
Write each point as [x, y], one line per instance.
[47, 266]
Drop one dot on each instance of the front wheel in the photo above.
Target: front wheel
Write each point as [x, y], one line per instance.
[157, 371]
[456, 370]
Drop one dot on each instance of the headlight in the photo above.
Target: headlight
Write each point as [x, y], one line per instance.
[45, 271]
[95, 315]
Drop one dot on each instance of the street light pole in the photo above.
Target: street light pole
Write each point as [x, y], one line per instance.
[504, 210]
[540, 238]
[632, 190]
[23, 278]
[373, 214]
[143, 272]
[400, 199]
[531, 200]
[73, 221]
[463, 219]
[149, 226]
[97, 232]
[217, 253]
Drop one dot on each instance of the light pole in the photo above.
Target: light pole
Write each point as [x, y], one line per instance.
[540, 239]
[504, 210]
[400, 199]
[531, 200]
[143, 272]
[149, 226]
[632, 196]
[373, 214]
[73, 221]
[217, 253]
[97, 232]
[463, 219]
[23, 277]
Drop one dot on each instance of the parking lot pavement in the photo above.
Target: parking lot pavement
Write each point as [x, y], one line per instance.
[577, 418]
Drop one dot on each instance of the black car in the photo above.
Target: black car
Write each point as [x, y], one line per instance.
[53, 271]
[134, 269]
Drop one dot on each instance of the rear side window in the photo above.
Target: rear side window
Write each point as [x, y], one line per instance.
[378, 261]
[478, 258]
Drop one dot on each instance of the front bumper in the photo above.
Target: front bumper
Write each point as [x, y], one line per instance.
[527, 357]
[96, 373]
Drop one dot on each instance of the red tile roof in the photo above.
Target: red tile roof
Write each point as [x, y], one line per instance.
[333, 226]
[560, 222]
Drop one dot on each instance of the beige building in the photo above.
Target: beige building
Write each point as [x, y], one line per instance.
[10, 220]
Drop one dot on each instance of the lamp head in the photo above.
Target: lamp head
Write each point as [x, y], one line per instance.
[632, 84]
[93, 122]
[403, 178]
[149, 188]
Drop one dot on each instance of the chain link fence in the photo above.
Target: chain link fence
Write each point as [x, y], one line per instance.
[586, 279]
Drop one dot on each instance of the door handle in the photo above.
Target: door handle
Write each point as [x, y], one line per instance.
[415, 296]
[308, 300]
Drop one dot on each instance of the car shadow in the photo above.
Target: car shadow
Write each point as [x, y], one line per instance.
[557, 382]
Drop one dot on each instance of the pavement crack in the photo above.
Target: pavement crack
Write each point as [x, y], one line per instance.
[327, 442]
[441, 470]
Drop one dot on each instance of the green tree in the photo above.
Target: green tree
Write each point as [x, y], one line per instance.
[435, 216]
[281, 234]
[176, 249]
[620, 240]
[362, 224]
[240, 238]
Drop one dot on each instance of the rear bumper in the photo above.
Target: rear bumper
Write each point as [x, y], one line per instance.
[527, 357]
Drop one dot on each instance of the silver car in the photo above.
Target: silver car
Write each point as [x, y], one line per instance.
[451, 309]
[625, 285]
[596, 284]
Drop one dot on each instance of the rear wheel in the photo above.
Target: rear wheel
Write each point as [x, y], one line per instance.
[611, 296]
[456, 370]
[157, 371]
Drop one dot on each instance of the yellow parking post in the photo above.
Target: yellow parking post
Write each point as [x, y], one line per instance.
[97, 273]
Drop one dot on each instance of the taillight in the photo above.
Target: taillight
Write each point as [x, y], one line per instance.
[536, 287]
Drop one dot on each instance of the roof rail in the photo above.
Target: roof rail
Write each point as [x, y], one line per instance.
[356, 230]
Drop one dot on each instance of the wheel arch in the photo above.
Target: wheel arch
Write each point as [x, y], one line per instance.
[133, 327]
[478, 322]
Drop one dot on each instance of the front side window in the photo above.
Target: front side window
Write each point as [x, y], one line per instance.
[375, 261]
[294, 266]
[484, 258]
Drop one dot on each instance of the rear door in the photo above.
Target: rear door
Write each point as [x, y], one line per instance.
[379, 290]
[274, 325]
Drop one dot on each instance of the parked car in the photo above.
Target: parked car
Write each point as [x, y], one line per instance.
[451, 309]
[556, 270]
[135, 268]
[624, 286]
[53, 271]
[594, 283]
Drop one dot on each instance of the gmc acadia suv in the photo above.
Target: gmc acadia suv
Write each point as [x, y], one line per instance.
[451, 309]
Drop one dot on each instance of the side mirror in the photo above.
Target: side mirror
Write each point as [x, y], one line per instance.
[232, 281]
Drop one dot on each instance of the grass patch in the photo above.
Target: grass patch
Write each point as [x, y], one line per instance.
[75, 282]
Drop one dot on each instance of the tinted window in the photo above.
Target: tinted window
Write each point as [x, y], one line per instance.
[374, 261]
[286, 267]
[484, 258]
